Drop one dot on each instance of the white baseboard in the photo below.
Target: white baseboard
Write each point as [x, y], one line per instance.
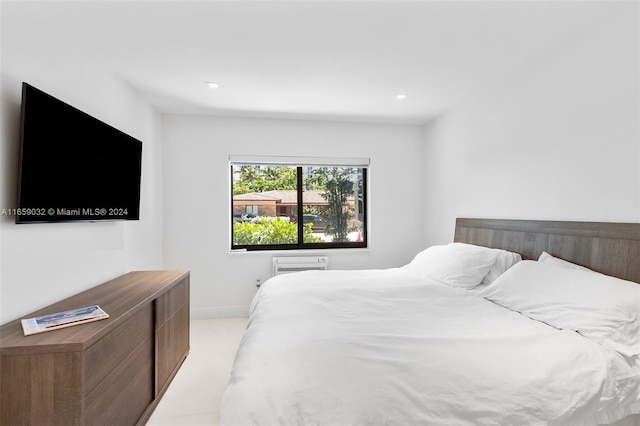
[211, 312]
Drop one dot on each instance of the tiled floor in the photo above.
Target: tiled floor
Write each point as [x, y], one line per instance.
[193, 398]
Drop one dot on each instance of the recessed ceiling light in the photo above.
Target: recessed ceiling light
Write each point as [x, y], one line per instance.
[402, 96]
[213, 84]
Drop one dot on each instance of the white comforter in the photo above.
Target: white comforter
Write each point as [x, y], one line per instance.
[387, 347]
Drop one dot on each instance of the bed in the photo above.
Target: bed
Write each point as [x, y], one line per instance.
[546, 333]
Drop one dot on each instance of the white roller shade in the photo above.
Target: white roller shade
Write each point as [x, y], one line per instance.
[299, 161]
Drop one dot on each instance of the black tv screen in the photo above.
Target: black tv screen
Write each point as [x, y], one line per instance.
[74, 167]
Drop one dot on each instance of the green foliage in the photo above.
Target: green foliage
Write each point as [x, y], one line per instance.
[338, 189]
[307, 209]
[241, 188]
[270, 231]
[261, 179]
[316, 180]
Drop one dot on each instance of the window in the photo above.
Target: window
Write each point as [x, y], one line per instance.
[310, 203]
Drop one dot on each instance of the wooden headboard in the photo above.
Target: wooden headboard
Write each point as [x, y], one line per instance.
[610, 248]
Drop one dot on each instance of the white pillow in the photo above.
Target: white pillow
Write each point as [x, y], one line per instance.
[552, 260]
[600, 307]
[504, 261]
[456, 264]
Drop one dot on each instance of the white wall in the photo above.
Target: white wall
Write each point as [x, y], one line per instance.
[559, 141]
[197, 188]
[44, 263]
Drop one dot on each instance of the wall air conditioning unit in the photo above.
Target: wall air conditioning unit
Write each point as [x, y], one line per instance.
[286, 265]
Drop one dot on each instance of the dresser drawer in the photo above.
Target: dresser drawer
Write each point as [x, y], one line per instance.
[168, 303]
[172, 343]
[110, 351]
[122, 397]
[30, 394]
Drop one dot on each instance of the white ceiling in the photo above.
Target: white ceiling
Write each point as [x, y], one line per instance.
[335, 60]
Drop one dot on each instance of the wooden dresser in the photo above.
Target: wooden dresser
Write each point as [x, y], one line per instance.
[112, 371]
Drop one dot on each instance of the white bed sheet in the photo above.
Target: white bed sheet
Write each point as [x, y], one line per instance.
[387, 347]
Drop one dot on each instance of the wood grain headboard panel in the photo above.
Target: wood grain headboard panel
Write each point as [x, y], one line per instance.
[610, 248]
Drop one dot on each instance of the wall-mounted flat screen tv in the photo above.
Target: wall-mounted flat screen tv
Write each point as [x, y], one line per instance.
[74, 167]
